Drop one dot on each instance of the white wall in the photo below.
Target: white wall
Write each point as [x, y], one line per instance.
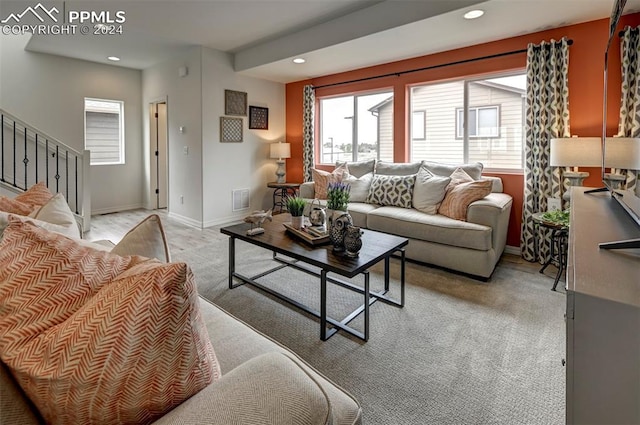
[211, 170]
[184, 108]
[48, 92]
[246, 165]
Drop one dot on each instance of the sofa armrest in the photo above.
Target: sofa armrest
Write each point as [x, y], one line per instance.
[268, 389]
[496, 183]
[307, 190]
[494, 211]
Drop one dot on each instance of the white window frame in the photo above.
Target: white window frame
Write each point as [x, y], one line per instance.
[121, 144]
[477, 109]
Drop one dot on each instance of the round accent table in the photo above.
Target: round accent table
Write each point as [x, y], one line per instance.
[280, 194]
[558, 244]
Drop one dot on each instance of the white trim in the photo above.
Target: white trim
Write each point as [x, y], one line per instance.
[224, 221]
[514, 250]
[185, 220]
[116, 209]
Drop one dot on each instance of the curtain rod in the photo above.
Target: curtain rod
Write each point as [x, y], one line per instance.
[442, 65]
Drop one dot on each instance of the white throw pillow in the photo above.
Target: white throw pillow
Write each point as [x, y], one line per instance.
[429, 191]
[147, 239]
[57, 211]
[359, 187]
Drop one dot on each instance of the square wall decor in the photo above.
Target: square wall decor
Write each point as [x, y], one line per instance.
[230, 130]
[235, 103]
[258, 118]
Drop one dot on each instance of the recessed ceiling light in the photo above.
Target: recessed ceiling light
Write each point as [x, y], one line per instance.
[473, 14]
[113, 58]
[299, 60]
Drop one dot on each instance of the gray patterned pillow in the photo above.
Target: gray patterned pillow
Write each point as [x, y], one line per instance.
[394, 191]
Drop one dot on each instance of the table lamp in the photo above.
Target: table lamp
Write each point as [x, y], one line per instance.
[620, 153]
[575, 152]
[281, 151]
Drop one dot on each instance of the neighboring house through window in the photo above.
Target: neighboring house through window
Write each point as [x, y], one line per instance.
[104, 131]
[483, 121]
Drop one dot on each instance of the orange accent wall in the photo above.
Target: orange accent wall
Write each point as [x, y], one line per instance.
[586, 67]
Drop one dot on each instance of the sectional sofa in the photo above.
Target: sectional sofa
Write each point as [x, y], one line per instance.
[97, 333]
[471, 243]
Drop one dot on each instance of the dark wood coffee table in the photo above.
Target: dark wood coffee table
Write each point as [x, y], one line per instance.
[376, 247]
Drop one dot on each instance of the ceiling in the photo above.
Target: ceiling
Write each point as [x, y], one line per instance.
[263, 36]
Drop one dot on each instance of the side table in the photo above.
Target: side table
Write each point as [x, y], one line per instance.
[281, 192]
[558, 245]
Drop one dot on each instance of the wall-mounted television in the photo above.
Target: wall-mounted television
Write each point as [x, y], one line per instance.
[628, 198]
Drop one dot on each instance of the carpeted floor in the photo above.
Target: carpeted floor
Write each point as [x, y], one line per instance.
[459, 352]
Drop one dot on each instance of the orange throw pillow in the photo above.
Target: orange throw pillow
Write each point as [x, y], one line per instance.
[14, 207]
[36, 196]
[322, 179]
[458, 199]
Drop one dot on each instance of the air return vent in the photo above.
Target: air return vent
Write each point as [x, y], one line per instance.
[240, 199]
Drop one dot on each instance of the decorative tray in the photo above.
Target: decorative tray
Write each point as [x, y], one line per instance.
[309, 235]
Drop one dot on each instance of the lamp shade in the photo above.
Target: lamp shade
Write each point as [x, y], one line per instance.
[280, 150]
[622, 152]
[576, 152]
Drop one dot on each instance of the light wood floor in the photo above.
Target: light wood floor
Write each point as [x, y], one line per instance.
[180, 236]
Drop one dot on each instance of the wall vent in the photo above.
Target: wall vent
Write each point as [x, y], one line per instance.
[240, 199]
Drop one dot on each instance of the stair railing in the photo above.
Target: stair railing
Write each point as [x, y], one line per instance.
[29, 156]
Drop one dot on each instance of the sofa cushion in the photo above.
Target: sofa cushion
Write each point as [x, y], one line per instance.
[437, 228]
[322, 179]
[45, 278]
[36, 196]
[12, 206]
[56, 211]
[397, 168]
[134, 351]
[147, 239]
[359, 211]
[359, 186]
[440, 169]
[429, 191]
[391, 190]
[63, 230]
[359, 168]
[458, 199]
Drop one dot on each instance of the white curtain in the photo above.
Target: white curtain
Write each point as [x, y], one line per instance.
[547, 117]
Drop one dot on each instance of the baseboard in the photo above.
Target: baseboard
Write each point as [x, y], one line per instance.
[185, 220]
[115, 209]
[513, 250]
[225, 220]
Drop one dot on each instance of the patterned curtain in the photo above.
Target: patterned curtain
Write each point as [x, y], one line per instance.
[629, 124]
[308, 106]
[547, 117]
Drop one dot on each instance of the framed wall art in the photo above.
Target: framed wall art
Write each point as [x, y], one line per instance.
[258, 118]
[235, 103]
[230, 130]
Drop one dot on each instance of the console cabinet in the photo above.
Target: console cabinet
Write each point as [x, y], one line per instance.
[603, 314]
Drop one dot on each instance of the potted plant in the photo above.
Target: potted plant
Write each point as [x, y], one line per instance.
[338, 218]
[295, 206]
[338, 196]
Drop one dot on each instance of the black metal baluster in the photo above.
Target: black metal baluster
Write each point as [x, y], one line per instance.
[25, 160]
[36, 157]
[57, 176]
[66, 174]
[46, 157]
[2, 152]
[14, 154]
[77, 185]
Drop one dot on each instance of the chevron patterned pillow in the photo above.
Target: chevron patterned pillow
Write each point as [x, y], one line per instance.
[36, 196]
[14, 207]
[134, 350]
[390, 190]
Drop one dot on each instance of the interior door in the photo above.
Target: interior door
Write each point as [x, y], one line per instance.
[158, 141]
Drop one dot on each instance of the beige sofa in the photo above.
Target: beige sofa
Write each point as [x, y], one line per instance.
[262, 382]
[472, 247]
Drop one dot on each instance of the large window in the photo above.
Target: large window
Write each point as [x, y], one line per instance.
[104, 131]
[356, 128]
[470, 120]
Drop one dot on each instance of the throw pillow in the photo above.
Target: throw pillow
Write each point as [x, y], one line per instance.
[397, 169]
[132, 352]
[36, 196]
[147, 239]
[429, 191]
[63, 230]
[359, 187]
[457, 177]
[458, 199]
[440, 169]
[359, 168]
[322, 179]
[14, 207]
[391, 190]
[45, 278]
[57, 211]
